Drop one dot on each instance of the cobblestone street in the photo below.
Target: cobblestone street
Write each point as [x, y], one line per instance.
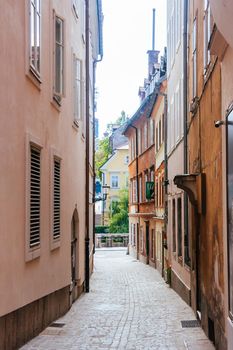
[129, 307]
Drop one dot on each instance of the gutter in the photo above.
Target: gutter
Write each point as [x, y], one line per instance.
[185, 111]
[87, 224]
[100, 22]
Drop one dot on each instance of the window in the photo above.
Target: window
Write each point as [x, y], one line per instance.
[56, 198]
[145, 136]
[139, 142]
[207, 33]
[141, 239]
[194, 59]
[114, 181]
[152, 244]
[140, 189]
[135, 194]
[152, 131]
[35, 36]
[78, 89]
[132, 148]
[146, 179]
[179, 227]
[35, 169]
[59, 59]
[126, 160]
[174, 225]
[75, 7]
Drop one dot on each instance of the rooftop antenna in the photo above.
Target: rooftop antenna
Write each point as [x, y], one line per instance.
[153, 31]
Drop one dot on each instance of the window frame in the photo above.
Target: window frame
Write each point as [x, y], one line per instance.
[31, 253]
[57, 95]
[78, 90]
[111, 179]
[35, 69]
[207, 35]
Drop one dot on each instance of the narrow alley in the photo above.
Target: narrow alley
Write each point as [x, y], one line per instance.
[129, 307]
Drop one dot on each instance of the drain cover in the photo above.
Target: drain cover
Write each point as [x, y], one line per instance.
[190, 324]
[57, 325]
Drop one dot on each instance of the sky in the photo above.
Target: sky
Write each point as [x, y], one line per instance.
[127, 35]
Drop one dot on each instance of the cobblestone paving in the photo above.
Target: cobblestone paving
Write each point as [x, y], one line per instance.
[129, 307]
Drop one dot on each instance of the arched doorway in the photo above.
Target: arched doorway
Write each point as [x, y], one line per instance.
[74, 254]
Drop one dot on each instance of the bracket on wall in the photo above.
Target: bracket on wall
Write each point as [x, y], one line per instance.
[195, 187]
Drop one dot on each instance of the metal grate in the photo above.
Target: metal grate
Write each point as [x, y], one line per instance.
[57, 325]
[190, 324]
[35, 197]
[56, 199]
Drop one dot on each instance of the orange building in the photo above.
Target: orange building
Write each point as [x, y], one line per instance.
[146, 204]
[203, 183]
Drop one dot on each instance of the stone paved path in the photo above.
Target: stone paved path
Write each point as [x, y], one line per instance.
[129, 307]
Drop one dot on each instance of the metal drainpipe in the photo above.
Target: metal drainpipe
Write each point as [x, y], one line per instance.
[87, 236]
[93, 160]
[136, 133]
[185, 110]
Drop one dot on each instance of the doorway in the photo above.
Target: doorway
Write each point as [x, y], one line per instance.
[147, 242]
[74, 255]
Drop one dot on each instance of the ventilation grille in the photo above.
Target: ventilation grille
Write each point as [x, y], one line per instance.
[190, 324]
[56, 199]
[35, 197]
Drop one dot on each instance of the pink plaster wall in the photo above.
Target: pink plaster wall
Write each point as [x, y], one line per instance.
[25, 108]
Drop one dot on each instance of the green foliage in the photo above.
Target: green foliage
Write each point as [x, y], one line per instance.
[101, 229]
[119, 221]
[102, 155]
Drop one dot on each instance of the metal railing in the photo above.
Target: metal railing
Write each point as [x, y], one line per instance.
[110, 240]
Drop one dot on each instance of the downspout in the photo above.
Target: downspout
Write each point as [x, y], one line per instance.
[93, 153]
[87, 224]
[137, 179]
[185, 111]
[165, 176]
[93, 159]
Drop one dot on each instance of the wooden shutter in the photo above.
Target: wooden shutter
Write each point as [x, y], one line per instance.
[35, 197]
[56, 198]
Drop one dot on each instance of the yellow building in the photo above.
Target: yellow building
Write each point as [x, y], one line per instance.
[115, 175]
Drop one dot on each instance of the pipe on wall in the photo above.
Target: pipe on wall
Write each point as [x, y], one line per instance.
[87, 224]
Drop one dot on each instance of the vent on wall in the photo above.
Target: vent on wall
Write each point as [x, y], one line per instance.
[56, 198]
[35, 197]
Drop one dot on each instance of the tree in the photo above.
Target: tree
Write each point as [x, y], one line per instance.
[119, 221]
[102, 155]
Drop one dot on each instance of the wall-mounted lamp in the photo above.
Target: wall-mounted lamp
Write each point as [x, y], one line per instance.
[103, 198]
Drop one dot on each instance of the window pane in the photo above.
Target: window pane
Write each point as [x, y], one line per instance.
[58, 66]
[58, 30]
[37, 55]
[32, 35]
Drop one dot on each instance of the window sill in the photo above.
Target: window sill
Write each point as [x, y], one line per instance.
[55, 244]
[33, 77]
[32, 254]
[55, 104]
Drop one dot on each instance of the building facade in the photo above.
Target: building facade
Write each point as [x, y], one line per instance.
[204, 179]
[44, 140]
[177, 232]
[221, 45]
[115, 176]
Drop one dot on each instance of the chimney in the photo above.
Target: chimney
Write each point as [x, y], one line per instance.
[152, 54]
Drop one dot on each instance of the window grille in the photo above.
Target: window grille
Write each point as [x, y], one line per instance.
[34, 197]
[56, 199]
